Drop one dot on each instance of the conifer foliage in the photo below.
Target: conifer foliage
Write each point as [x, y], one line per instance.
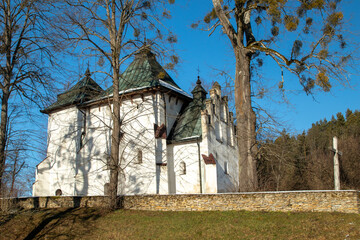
[305, 161]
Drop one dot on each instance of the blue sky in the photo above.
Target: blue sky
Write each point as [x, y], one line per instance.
[197, 50]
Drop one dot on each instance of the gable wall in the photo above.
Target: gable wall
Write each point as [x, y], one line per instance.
[220, 135]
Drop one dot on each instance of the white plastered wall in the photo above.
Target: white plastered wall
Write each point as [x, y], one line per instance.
[58, 169]
[138, 126]
[188, 153]
[79, 148]
[91, 170]
[173, 108]
[222, 142]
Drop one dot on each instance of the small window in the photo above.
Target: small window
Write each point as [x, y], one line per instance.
[182, 168]
[131, 144]
[139, 156]
[226, 168]
[58, 192]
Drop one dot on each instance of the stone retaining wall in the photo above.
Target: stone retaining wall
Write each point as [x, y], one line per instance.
[311, 201]
[317, 201]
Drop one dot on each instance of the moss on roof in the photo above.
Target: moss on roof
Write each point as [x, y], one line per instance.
[82, 91]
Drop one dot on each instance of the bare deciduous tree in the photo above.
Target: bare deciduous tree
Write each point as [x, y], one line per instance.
[312, 26]
[25, 53]
[113, 30]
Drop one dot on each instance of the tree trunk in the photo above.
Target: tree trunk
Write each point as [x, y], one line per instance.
[5, 89]
[3, 133]
[115, 141]
[115, 43]
[246, 120]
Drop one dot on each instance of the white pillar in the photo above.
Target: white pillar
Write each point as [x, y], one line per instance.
[336, 165]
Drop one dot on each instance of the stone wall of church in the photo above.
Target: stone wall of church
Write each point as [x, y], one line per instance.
[91, 172]
[347, 201]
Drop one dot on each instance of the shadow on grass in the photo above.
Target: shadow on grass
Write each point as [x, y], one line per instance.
[4, 218]
[76, 221]
[45, 222]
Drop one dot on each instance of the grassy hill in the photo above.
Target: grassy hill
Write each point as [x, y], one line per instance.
[90, 223]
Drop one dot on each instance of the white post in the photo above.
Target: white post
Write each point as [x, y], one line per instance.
[336, 165]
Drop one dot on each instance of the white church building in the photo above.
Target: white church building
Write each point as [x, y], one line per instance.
[171, 142]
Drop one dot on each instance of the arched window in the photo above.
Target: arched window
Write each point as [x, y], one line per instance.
[58, 192]
[182, 168]
[226, 168]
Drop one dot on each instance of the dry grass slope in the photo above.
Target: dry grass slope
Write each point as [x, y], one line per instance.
[90, 223]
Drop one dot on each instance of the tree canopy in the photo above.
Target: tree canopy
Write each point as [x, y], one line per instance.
[315, 52]
[305, 161]
[316, 49]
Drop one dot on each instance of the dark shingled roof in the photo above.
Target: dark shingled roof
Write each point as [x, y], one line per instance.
[143, 72]
[83, 91]
[189, 123]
